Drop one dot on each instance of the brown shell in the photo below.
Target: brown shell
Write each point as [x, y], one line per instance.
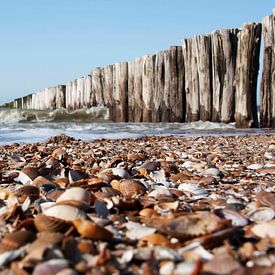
[31, 172]
[131, 188]
[59, 153]
[27, 191]
[39, 181]
[45, 223]
[62, 182]
[55, 195]
[15, 240]
[90, 230]
[156, 239]
[266, 198]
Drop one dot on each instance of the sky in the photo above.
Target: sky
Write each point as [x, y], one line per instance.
[44, 43]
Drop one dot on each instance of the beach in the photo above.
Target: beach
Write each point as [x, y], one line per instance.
[145, 205]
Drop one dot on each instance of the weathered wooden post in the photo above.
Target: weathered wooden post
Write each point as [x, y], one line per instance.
[247, 67]
[97, 88]
[224, 54]
[107, 86]
[120, 92]
[198, 85]
[267, 95]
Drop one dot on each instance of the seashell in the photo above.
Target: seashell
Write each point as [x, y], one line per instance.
[59, 154]
[136, 157]
[51, 267]
[166, 207]
[264, 230]
[115, 184]
[15, 240]
[78, 204]
[62, 182]
[31, 172]
[54, 195]
[150, 166]
[67, 271]
[76, 175]
[136, 231]
[261, 215]
[39, 181]
[160, 193]
[255, 166]
[76, 194]
[236, 218]
[27, 191]
[188, 226]
[121, 173]
[181, 177]
[147, 212]
[156, 239]
[193, 189]
[266, 198]
[10, 256]
[229, 265]
[50, 224]
[90, 230]
[65, 212]
[131, 188]
[213, 172]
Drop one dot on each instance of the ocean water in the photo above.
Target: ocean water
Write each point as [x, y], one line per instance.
[26, 126]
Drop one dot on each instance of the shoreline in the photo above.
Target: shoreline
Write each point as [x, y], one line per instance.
[139, 205]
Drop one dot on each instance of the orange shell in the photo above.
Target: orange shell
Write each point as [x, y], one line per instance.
[90, 230]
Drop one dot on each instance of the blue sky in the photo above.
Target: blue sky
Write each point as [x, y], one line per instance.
[48, 42]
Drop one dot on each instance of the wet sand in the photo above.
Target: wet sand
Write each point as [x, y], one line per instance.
[151, 205]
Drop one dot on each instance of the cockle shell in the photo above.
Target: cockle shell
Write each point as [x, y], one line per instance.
[50, 224]
[156, 239]
[76, 194]
[236, 218]
[90, 230]
[15, 240]
[51, 267]
[59, 154]
[65, 212]
[131, 188]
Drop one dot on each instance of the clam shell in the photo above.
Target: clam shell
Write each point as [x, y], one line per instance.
[236, 218]
[65, 212]
[264, 230]
[131, 188]
[90, 230]
[76, 194]
[261, 215]
[50, 224]
[15, 240]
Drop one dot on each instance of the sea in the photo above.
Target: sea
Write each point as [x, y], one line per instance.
[29, 126]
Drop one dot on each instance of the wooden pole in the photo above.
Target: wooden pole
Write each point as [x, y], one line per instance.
[267, 95]
[224, 53]
[108, 90]
[247, 67]
[120, 92]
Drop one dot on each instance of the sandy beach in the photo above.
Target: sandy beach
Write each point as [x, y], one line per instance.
[150, 205]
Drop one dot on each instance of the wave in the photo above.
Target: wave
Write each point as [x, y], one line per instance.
[94, 114]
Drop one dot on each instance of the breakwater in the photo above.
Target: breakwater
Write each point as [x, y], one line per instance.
[210, 77]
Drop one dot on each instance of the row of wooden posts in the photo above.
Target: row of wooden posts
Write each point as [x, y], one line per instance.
[210, 77]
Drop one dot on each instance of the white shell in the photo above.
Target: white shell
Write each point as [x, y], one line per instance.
[261, 215]
[65, 212]
[76, 194]
[255, 166]
[192, 188]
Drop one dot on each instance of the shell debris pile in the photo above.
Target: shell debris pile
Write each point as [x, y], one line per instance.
[151, 205]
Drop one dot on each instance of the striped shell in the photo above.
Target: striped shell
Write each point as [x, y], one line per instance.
[90, 230]
[65, 212]
[131, 188]
[45, 223]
